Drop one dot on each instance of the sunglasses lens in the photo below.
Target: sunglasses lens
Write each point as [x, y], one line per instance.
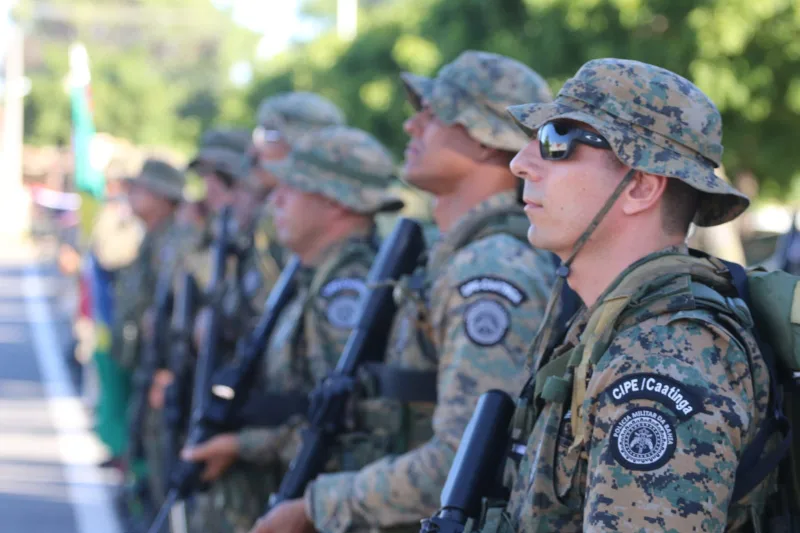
[555, 140]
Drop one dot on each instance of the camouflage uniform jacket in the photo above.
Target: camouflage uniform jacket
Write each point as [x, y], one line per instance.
[135, 288]
[669, 407]
[486, 300]
[245, 291]
[310, 336]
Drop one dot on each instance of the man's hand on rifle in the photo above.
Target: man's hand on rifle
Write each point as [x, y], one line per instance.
[219, 454]
[288, 516]
[161, 380]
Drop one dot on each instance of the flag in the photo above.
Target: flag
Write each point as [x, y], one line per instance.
[88, 176]
[97, 283]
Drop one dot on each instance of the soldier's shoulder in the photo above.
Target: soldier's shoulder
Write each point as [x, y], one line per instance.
[501, 255]
[693, 346]
[354, 257]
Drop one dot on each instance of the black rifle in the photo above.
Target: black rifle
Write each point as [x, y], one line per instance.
[177, 395]
[399, 255]
[478, 466]
[186, 475]
[151, 351]
[181, 364]
[231, 401]
[226, 390]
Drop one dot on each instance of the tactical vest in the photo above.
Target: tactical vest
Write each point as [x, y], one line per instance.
[395, 411]
[561, 376]
[299, 313]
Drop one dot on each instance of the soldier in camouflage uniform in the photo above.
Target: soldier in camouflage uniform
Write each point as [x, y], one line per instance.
[282, 120]
[637, 421]
[339, 174]
[223, 156]
[154, 196]
[465, 322]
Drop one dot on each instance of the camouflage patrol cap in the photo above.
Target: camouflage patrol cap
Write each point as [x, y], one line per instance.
[655, 121]
[297, 113]
[224, 150]
[344, 164]
[474, 91]
[160, 178]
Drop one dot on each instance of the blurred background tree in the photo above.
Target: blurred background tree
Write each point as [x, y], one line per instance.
[164, 82]
[160, 68]
[745, 55]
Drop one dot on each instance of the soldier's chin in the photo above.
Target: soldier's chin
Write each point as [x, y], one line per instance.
[539, 240]
[415, 175]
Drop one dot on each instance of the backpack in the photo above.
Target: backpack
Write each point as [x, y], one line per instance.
[773, 300]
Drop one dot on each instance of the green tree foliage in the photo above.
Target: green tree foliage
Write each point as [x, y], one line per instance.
[159, 67]
[744, 54]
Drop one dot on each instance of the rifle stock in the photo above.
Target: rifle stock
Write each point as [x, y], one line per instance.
[181, 363]
[398, 256]
[478, 465]
[151, 351]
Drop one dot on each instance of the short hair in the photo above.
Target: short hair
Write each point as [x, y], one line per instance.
[679, 202]
[679, 205]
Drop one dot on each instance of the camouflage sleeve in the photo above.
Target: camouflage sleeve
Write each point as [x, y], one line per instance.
[267, 446]
[669, 408]
[485, 310]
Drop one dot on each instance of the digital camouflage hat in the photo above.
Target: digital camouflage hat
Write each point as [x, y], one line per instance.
[655, 121]
[344, 164]
[475, 90]
[161, 178]
[224, 150]
[297, 113]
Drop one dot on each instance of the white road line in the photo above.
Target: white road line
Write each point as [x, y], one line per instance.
[78, 447]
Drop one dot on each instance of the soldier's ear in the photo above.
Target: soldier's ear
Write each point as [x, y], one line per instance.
[643, 193]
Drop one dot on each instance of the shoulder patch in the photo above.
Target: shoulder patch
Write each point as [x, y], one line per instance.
[494, 285]
[486, 322]
[343, 311]
[643, 439]
[335, 286]
[665, 390]
[344, 297]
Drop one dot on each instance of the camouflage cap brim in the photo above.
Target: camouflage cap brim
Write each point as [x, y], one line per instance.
[313, 178]
[418, 89]
[227, 161]
[454, 105]
[646, 151]
[169, 191]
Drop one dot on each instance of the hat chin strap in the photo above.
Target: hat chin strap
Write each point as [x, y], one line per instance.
[544, 336]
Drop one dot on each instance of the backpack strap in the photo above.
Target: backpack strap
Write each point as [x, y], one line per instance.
[754, 466]
[570, 305]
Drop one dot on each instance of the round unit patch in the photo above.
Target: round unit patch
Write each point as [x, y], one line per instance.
[486, 322]
[643, 439]
[343, 311]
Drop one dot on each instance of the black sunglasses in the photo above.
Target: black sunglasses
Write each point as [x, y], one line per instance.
[557, 140]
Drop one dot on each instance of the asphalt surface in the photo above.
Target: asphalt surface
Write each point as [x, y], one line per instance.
[49, 481]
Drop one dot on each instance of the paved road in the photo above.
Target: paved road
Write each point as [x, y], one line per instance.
[48, 481]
